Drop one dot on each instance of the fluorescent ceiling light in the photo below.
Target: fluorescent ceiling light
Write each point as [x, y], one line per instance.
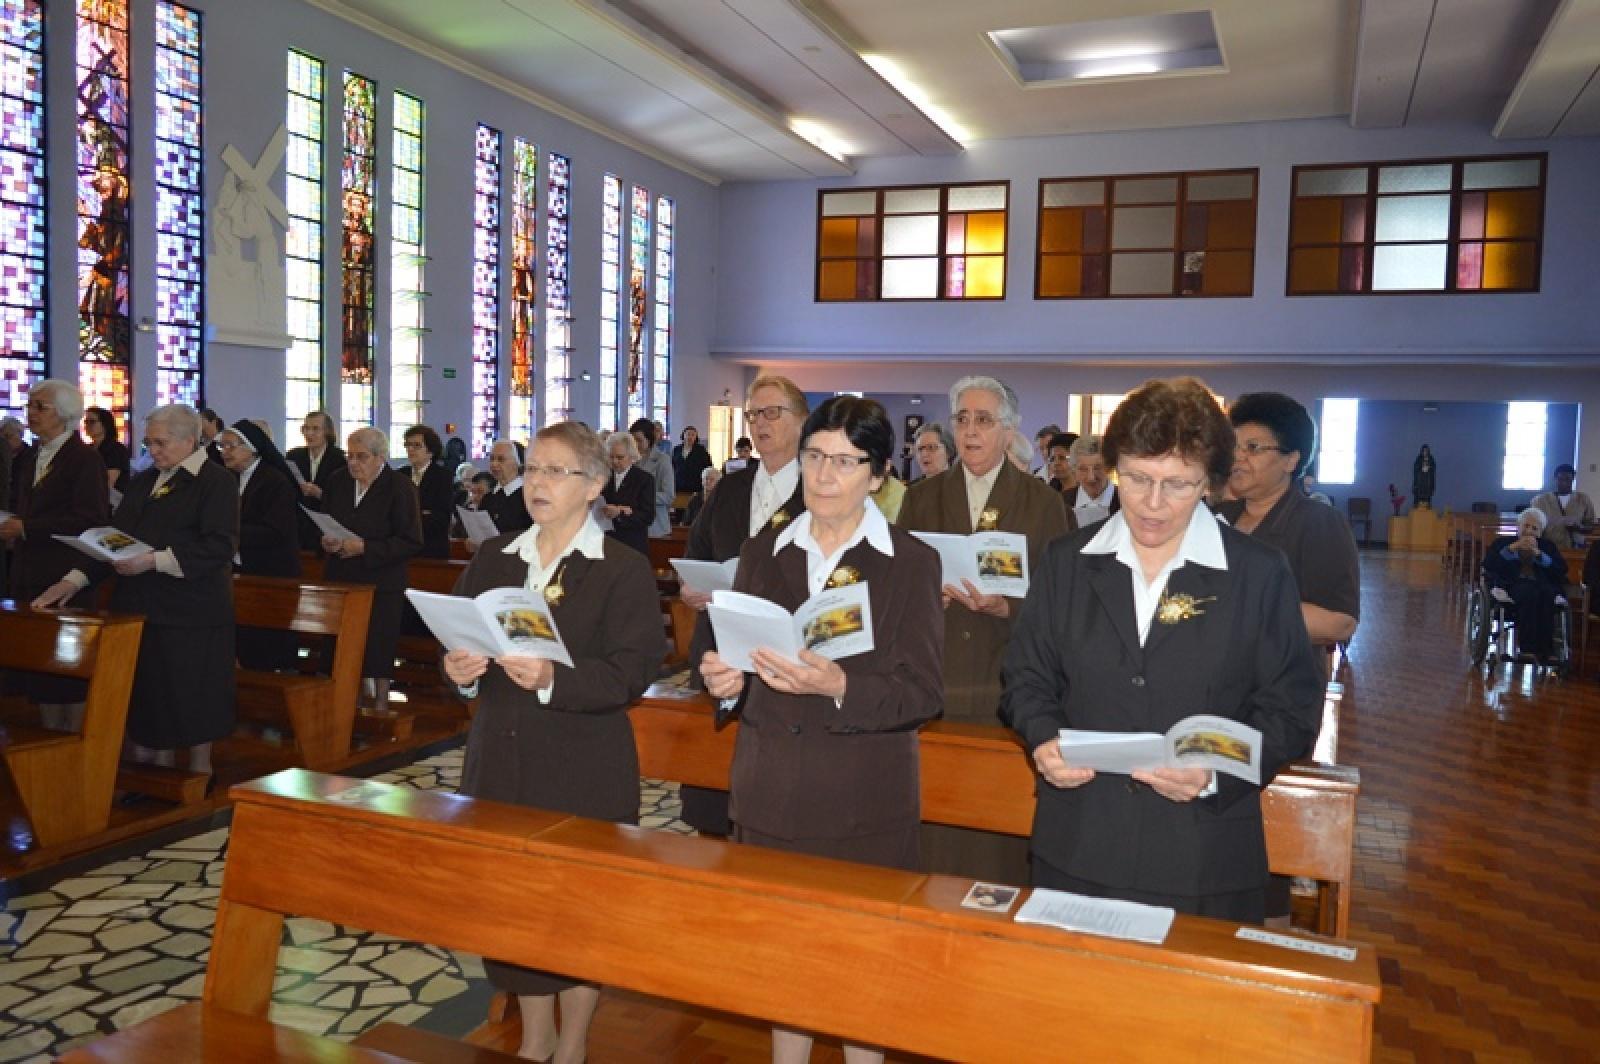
[890, 71]
[1135, 46]
[819, 137]
[1118, 68]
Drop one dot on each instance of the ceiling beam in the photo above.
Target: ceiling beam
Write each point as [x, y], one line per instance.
[1557, 94]
[1390, 42]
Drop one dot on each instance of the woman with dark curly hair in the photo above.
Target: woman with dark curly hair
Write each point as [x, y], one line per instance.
[101, 428]
[1157, 614]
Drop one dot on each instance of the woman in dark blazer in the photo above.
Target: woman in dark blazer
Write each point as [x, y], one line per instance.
[101, 428]
[187, 508]
[379, 505]
[1132, 624]
[435, 493]
[629, 494]
[550, 736]
[269, 510]
[689, 459]
[317, 462]
[826, 760]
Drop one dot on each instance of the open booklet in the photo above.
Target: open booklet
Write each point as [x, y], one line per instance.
[499, 622]
[835, 623]
[328, 526]
[1201, 741]
[106, 544]
[707, 577]
[996, 563]
[478, 525]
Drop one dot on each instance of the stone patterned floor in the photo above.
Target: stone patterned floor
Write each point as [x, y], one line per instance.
[104, 950]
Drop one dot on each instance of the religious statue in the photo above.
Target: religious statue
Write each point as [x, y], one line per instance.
[1423, 471]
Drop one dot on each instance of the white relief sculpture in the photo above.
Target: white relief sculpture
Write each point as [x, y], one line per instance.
[246, 267]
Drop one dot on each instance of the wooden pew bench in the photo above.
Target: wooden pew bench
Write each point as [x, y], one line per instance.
[871, 955]
[66, 779]
[419, 653]
[319, 710]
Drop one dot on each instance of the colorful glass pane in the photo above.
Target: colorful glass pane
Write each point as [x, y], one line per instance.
[407, 295]
[180, 212]
[557, 293]
[358, 188]
[486, 291]
[661, 374]
[22, 204]
[524, 284]
[638, 300]
[303, 241]
[610, 298]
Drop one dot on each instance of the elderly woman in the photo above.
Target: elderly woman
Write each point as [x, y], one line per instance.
[1058, 462]
[1156, 614]
[269, 510]
[317, 461]
[628, 494]
[826, 759]
[378, 505]
[1529, 570]
[434, 492]
[708, 483]
[187, 508]
[935, 449]
[101, 428]
[1093, 497]
[550, 736]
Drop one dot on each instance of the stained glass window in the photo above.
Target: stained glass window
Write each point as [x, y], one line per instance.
[105, 331]
[486, 291]
[180, 210]
[358, 186]
[22, 203]
[524, 284]
[303, 247]
[610, 298]
[638, 301]
[407, 294]
[935, 242]
[661, 373]
[557, 294]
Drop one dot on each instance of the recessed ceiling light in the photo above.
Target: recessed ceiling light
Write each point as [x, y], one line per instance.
[1138, 46]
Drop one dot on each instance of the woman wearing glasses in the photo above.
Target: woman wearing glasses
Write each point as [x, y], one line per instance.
[1157, 614]
[826, 760]
[550, 736]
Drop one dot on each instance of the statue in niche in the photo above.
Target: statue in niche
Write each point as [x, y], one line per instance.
[1423, 473]
[246, 268]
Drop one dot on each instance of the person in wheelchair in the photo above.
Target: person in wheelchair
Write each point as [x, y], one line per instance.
[1529, 571]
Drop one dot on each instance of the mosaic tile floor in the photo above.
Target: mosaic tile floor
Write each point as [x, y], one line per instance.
[104, 950]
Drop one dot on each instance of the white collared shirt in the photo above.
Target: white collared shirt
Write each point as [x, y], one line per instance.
[1103, 500]
[771, 491]
[244, 478]
[589, 541]
[511, 488]
[314, 461]
[47, 454]
[873, 528]
[616, 479]
[1202, 544]
[978, 489]
[194, 463]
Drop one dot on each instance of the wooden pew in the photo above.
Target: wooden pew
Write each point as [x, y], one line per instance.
[866, 954]
[975, 776]
[319, 710]
[419, 654]
[66, 779]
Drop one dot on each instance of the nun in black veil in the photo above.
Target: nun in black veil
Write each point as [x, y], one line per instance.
[268, 538]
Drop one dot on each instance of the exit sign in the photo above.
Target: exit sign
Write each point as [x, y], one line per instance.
[449, 374]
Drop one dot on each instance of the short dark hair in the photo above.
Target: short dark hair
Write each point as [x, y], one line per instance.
[743, 441]
[1052, 430]
[864, 423]
[108, 424]
[646, 426]
[1565, 468]
[1176, 416]
[1064, 440]
[1289, 422]
[486, 479]
[208, 414]
[430, 439]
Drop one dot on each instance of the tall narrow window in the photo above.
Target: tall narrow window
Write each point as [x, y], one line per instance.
[638, 300]
[180, 211]
[1336, 450]
[524, 284]
[407, 265]
[303, 243]
[486, 291]
[358, 185]
[22, 204]
[661, 374]
[557, 294]
[105, 331]
[610, 298]
[1525, 431]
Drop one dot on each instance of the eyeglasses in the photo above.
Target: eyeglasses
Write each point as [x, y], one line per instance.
[765, 413]
[1174, 488]
[153, 443]
[552, 471]
[40, 404]
[1255, 448]
[814, 460]
[982, 419]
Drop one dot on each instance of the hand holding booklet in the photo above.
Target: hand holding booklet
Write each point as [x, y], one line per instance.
[706, 577]
[327, 525]
[499, 623]
[1201, 741]
[996, 563]
[106, 544]
[478, 524]
[836, 623]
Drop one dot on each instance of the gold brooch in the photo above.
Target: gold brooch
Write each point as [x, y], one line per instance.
[165, 489]
[989, 520]
[1175, 608]
[779, 519]
[553, 591]
[843, 576]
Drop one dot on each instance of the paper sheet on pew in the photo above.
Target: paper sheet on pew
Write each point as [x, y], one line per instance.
[835, 623]
[327, 525]
[478, 525]
[1201, 741]
[996, 563]
[707, 577]
[498, 623]
[106, 544]
[1097, 916]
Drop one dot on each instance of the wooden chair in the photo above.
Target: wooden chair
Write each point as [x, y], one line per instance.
[320, 710]
[66, 779]
[1359, 511]
[870, 955]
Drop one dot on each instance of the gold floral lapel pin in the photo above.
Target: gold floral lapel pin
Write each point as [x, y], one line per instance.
[161, 492]
[989, 520]
[779, 519]
[843, 576]
[553, 591]
[1175, 608]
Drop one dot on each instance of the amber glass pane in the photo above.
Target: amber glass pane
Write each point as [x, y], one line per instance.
[837, 280]
[838, 237]
[1061, 229]
[1316, 221]
[1513, 213]
[1314, 270]
[986, 233]
[1232, 225]
[1228, 273]
[1509, 265]
[986, 276]
[1060, 275]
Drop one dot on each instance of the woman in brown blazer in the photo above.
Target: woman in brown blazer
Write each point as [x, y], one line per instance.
[550, 736]
[826, 760]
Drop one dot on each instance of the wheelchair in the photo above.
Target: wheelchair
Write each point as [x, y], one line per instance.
[1491, 630]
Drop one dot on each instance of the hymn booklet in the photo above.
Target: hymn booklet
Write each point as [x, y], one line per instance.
[106, 544]
[1201, 741]
[996, 563]
[328, 526]
[498, 623]
[478, 525]
[707, 577]
[835, 623]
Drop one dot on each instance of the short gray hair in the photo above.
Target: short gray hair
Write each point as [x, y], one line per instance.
[11, 423]
[1543, 518]
[1009, 415]
[180, 419]
[1083, 447]
[64, 396]
[945, 439]
[707, 473]
[376, 439]
[624, 440]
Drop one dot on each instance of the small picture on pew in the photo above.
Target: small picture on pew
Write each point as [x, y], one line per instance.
[990, 897]
[525, 626]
